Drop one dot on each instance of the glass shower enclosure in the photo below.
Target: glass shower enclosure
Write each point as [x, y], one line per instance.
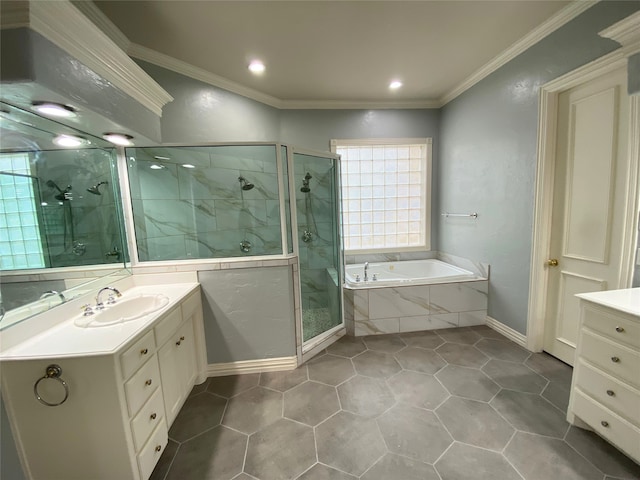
[315, 187]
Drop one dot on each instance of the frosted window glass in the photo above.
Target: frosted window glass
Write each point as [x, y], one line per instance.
[390, 181]
[20, 235]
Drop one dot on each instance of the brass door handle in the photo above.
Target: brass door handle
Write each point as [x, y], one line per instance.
[552, 262]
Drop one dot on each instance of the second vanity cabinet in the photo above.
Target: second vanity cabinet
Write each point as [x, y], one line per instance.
[605, 393]
[120, 406]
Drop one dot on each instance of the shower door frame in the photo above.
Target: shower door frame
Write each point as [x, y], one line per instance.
[310, 348]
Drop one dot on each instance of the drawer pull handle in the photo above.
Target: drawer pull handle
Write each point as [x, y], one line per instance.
[180, 341]
[619, 329]
[158, 448]
[153, 416]
[148, 382]
[611, 393]
[615, 359]
[604, 423]
[144, 351]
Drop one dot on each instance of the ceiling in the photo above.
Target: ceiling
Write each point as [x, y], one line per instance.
[333, 51]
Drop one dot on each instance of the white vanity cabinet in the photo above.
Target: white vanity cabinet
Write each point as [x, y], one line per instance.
[177, 356]
[115, 421]
[605, 393]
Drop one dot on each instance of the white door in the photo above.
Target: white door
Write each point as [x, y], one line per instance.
[589, 203]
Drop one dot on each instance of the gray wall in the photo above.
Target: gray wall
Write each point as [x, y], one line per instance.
[634, 74]
[315, 128]
[202, 113]
[248, 313]
[488, 157]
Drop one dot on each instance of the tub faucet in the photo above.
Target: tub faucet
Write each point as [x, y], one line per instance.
[99, 304]
[366, 271]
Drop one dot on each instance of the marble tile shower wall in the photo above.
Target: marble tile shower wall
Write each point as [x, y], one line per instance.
[421, 307]
[316, 214]
[85, 220]
[201, 211]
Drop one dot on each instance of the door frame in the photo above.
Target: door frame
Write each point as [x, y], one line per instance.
[545, 173]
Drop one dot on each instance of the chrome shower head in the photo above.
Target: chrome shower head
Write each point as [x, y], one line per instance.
[244, 184]
[96, 188]
[305, 183]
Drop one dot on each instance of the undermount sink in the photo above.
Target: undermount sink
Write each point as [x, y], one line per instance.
[124, 310]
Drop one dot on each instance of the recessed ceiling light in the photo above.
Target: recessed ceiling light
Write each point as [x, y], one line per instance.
[188, 165]
[257, 67]
[155, 166]
[69, 141]
[121, 139]
[395, 84]
[52, 109]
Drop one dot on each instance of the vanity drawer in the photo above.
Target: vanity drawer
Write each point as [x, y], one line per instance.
[151, 415]
[619, 397]
[615, 327]
[151, 452]
[168, 325]
[137, 354]
[140, 387]
[191, 305]
[619, 361]
[607, 424]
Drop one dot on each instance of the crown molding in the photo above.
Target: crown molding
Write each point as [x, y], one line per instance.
[626, 32]
[100, 20]
[160, 59]
[565, 15]
[90, 46]
[358, 105]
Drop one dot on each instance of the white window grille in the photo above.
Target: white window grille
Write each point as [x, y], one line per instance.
[386, 194]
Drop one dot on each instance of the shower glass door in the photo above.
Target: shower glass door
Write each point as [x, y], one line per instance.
[315, 189]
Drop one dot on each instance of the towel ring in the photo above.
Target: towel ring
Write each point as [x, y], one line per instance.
[52, 371]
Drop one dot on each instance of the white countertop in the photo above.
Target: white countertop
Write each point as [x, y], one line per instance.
[626, 300]
[66, 339]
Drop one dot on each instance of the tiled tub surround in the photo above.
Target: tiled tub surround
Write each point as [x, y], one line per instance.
[201, 211]
[413, 308]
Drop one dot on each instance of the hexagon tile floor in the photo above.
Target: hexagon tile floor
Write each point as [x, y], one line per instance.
[454, 404]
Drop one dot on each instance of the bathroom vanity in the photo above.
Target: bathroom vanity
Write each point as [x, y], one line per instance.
[126, 382]
[605, 390]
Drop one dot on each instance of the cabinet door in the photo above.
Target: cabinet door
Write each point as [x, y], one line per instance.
[178, 369]
[171, 382]
[187, 355]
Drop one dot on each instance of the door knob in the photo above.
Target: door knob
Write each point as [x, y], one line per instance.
[553, 262]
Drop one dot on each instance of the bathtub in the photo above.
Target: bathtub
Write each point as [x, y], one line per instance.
[412, 295]
[409, 272]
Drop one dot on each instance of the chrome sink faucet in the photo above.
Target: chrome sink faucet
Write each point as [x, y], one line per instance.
[366, 271]
[99, 304]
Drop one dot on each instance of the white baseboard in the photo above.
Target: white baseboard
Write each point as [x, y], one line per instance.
[508, 332]
[252, 366]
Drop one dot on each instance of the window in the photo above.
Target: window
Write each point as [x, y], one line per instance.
[20, 244]
[385, 194]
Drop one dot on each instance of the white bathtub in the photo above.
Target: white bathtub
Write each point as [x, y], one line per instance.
[408, 272]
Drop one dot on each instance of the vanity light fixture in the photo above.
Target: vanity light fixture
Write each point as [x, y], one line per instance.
[121, 139]
[257, 67]
[52, 109]
[69, 141]
[396, 84]
[188, 165]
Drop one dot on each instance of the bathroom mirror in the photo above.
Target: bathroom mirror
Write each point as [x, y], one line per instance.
[61, 218]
